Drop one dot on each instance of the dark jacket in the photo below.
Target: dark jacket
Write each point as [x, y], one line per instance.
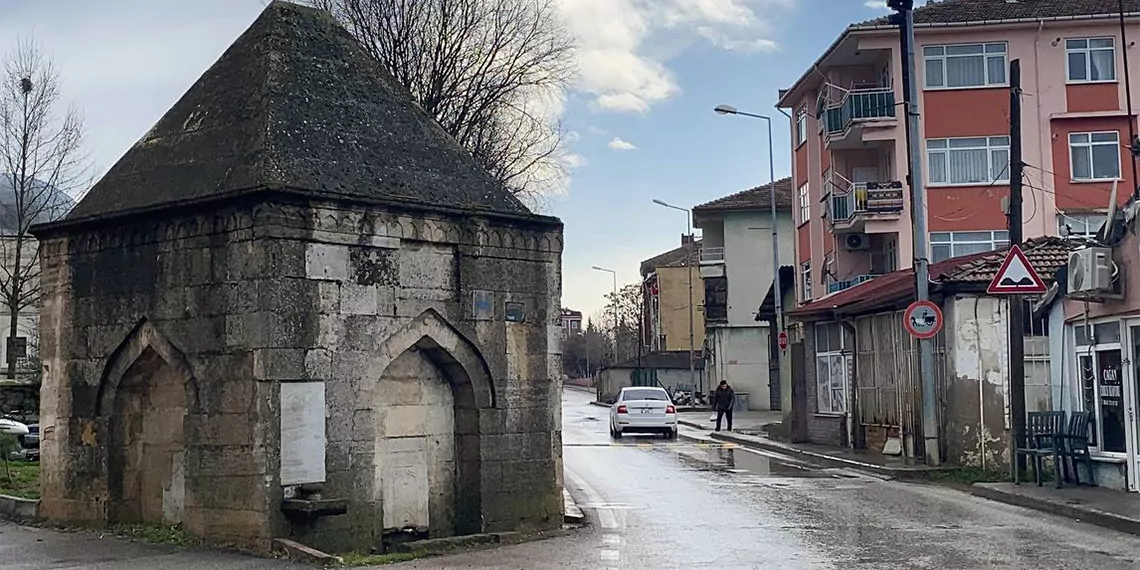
[723, 397]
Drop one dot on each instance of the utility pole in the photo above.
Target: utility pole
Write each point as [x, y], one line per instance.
[930, 427]
[1133, 142]
[692, 334]
[1016, 306]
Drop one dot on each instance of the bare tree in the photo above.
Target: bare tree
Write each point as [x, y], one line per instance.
[487, 70]
[41, 166]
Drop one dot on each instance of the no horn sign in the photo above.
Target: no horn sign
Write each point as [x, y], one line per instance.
[922, 319]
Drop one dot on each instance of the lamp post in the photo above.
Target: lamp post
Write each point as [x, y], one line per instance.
[777, 294]
[689, 270]
[614, 275]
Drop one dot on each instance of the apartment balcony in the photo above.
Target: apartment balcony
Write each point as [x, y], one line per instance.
[712, 255]
[838, 286]
[850, 207]
[859, 109]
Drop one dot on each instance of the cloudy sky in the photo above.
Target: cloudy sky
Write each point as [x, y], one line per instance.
[640, 112]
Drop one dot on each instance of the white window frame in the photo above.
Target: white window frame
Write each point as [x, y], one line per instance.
[1081, 223]
[804, 203]
[801, 126]
[1089, 144]
[805, 280]
[938, 53]
[1087, 50]
[997, 239]
[1093, 349]
[824, 359]
[942, 149]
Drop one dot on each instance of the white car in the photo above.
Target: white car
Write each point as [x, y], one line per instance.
[643, 410]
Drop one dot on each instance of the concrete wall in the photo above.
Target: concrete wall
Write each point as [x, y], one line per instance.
[673, 292]
[748, 261]
[241, 302]
[741, 356]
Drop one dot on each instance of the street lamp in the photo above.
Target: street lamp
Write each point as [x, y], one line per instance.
[614, 275]
[777, 293]
[688, 269]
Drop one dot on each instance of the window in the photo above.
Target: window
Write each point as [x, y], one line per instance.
[964, 65]
[1094, 156]
[975, 160]
[801, 126]
[1100, 381]
[805, 204]
[1090, 59]
[653, 394]
[805, 280]
[944, 245]
[832, 368]
[1084, 224]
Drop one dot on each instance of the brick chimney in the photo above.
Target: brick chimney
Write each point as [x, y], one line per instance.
[685, 239]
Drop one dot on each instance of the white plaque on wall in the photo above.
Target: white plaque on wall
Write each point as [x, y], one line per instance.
[302, 433]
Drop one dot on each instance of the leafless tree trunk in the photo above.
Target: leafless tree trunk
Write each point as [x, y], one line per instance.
[485, 69]
[41, 166]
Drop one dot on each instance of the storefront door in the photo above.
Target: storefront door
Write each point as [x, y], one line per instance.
[1131, 374]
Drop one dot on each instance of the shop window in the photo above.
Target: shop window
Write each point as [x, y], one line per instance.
[832, 368]
[1101, 383]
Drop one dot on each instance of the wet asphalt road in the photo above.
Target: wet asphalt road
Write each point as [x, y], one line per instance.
[656, 504]
[687, 505]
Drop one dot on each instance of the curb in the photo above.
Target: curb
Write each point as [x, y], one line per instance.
[1096, 517]
[824, 459]
[16, 508]
[301, 553]
[574, 514]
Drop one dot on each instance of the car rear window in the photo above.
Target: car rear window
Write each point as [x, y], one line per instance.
[646, 395]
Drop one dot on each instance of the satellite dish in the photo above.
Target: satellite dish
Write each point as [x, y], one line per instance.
[1106, 229]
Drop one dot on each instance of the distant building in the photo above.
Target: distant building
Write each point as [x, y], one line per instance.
[571, 322]
[667, 300]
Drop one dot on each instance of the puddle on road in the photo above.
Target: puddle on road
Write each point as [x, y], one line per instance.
[729, 460]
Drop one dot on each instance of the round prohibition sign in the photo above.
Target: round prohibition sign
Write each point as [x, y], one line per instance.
[922, 319]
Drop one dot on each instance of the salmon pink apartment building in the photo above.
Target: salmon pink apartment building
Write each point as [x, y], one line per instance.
[852, 210]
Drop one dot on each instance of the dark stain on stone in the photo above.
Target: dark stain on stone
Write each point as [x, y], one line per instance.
[373, 267]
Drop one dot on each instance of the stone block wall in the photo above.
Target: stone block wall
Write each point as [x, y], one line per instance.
[242, 301]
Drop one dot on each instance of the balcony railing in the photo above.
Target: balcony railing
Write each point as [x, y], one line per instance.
[838, 286]
[865, 198]
[712, 254]
[859, 105]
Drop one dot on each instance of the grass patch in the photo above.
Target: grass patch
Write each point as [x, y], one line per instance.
[25, 482]
[968, 476]
[168, 535]
[357, 559]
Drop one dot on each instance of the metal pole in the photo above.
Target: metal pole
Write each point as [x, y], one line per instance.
[777, 292]
[616, 357]
[692, 339]
[1132, 146]
[930, 426]
[1016, 308]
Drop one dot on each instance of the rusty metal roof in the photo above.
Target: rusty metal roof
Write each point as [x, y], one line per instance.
[296, 104]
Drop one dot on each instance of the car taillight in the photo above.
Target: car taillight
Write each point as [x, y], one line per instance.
[621, 409]
[670, 410]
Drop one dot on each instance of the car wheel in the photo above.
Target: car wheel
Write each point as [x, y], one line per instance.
[616, 433]
[671, 434]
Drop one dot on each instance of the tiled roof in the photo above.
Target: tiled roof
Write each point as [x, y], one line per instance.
[757, 198]
[966, 11]
[297, 104]
[673, 258]
[1046, 254]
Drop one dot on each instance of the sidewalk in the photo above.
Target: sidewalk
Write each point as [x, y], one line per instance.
[742, 422]
[1116, 510]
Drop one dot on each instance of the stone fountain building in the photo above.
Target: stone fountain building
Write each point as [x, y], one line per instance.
[297, 308]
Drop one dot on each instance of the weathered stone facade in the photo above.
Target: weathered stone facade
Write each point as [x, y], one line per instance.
[227, 363]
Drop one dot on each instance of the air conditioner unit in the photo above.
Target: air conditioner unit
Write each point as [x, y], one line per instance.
[857, 241]
[1090, 270]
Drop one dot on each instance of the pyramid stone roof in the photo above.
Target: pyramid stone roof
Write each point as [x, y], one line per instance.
[297, 105]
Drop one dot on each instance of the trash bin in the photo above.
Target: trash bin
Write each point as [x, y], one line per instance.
[740, 403]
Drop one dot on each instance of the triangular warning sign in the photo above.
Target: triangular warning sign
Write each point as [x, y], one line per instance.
[1016, 276]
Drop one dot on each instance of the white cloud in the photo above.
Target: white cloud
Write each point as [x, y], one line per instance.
[876, 4]
[619, 67]
[620, 145]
